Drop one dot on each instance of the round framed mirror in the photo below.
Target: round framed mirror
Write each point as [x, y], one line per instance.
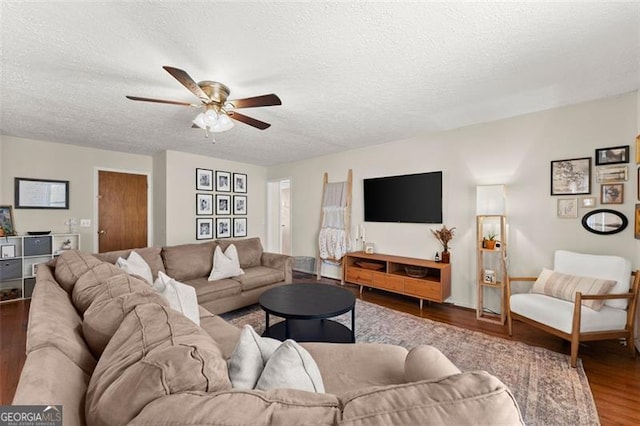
[604, 221]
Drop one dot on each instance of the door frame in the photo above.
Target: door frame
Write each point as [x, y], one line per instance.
[273, 213]
[94, 225]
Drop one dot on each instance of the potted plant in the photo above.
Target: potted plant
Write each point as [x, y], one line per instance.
[490, 240]
[444, 235]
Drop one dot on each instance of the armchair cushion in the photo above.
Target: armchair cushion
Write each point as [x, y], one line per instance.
[565, 286]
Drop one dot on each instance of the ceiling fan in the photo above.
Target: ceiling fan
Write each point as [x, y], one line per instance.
[218, 110]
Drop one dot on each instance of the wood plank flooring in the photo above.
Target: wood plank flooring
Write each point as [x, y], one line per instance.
[613, 375]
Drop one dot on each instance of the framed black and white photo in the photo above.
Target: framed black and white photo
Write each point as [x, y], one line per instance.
[240, 183]
[7, 251]
[612, 174]
[34, 269]
[239, 204]
[239, 226]
[223, 181]
[41, 193]
[571, 177]
[204, 204]
[567, 207]
[223, 204]
[612, 193]
[612, 155]
[223, 227]
[204, 180]
[204, 228]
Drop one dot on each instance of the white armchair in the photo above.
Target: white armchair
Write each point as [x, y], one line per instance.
[573, 321]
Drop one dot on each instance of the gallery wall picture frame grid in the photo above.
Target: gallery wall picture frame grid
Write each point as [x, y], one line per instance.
[223, 204]
[612, 155]
[223, 227]
[239, 204]
[239, 227]
[204, 228]
[612, 174]
[204, 204]
[240, 183]
[612, 193]
[571, 177]
[223, 181]
[204, 179]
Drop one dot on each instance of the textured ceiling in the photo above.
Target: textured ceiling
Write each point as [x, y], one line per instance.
[349, 74]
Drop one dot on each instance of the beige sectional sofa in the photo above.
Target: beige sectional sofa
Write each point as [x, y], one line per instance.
[111, 352]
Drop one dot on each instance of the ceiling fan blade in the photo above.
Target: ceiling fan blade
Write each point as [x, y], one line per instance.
[186, 80]
[257, 101]
[161, 101]
[248, 120]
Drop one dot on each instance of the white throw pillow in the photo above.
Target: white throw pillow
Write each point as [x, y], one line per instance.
[249, 357]
[181, 297]
[136, 265]
[291, 367]
[225, 265]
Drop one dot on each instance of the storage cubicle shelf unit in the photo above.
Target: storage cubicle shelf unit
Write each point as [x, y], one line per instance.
[494, 258]
[430, 281]
[18, 256]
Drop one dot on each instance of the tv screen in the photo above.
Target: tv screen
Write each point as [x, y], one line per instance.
[413, 198]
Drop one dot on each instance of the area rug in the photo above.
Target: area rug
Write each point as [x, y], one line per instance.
[547, 390]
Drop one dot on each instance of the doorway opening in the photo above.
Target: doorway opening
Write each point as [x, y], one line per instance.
[279, 216]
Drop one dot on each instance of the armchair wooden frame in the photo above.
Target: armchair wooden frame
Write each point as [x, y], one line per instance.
[575, 337]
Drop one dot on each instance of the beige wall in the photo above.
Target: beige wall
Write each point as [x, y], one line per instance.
[37, 159]
[160, 198]
[515, 152]
[180, 220]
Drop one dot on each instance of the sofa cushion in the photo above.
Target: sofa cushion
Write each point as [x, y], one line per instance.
[225, 265]
[104, 281]
[291, 367]
[155, 352]
[70, 265]
[103, 317]
[249, 358]
[425, 362]
[136, 265]
[188, 261]
[225, 334]
[275, 407]
[151, 255]
[249, 250]
[259, 276]
[215, 289]
[467, 398]
[54, 322]
[181, 297]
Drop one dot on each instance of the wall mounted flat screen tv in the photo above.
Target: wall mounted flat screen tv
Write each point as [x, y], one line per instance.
[415, 198]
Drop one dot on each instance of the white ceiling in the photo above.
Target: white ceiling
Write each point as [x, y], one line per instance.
[349, 74]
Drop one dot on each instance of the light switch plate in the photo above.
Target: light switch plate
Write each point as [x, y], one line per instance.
[85, 223]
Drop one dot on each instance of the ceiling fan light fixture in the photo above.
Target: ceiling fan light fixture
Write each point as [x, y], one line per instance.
[199, 121]
[224, 123]
[210, 117]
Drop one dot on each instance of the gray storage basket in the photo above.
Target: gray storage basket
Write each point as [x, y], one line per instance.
[304, 264]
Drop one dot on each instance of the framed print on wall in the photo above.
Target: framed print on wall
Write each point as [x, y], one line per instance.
[240, 183]
[612, 193]
[204, 180]
[223, 204]
[6, 220]
[612, 155]
[204, 204]
[239, 204]
[223, 181]
[239, 226]
[204, 228]
[571, 177]
[567, 207]
[588, 202]
[223, 227]
[637, 227]
[612, 174]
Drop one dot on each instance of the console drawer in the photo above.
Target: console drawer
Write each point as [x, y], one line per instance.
[360, 276]
[422, 288]
[389, 282]
[10, 269]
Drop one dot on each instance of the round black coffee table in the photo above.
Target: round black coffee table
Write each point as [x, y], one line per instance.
[305, 309]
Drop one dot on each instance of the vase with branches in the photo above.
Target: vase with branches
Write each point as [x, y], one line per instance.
[444, 235]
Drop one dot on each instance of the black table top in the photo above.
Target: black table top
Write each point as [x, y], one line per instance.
[307, 301]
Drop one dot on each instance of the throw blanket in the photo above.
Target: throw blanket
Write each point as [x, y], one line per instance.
[333, 243]
[333, 239]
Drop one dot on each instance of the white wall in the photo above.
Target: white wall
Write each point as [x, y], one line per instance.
[180, 220]
[38, 159]
[160, 198]
[515, 152]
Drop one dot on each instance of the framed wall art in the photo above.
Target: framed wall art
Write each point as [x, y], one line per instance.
[612, 174]
[223, 204]
[637, 227]
[239, 226]
[8, 251]
[612, 193]
[240, 183]
[204, 204]
[604, 221]
[571, 177]
[239, 204]
[638, 149]
[6, 220]
[588, 202]
[613, 155]
[567, 207]
[223, 181]
[204, 180]
[41, 194]
[223, 227]
[204, 228]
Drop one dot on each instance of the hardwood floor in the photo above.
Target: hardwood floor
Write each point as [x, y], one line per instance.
[614, 377]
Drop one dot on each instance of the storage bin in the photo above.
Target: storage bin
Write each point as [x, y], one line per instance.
[304, 264]
[10, 269]
[37, 246]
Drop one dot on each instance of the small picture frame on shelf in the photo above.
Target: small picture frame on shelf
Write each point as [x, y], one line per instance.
[567, 207]
[223, 204]
[34, 269]
[8, 251]
[204, 180]
[223, 227]
[239, 204]
[240, 183]
[489, 276]
[6, 220]
[239, 227]
[612, 155]
[588, 202]
[204, 204]
[204, 228]
[223, 181]
[612, 193]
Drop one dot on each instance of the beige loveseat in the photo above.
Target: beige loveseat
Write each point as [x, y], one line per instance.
[108, 349]
[191, 264]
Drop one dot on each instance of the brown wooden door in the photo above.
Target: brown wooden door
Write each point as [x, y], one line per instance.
[122, 211]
